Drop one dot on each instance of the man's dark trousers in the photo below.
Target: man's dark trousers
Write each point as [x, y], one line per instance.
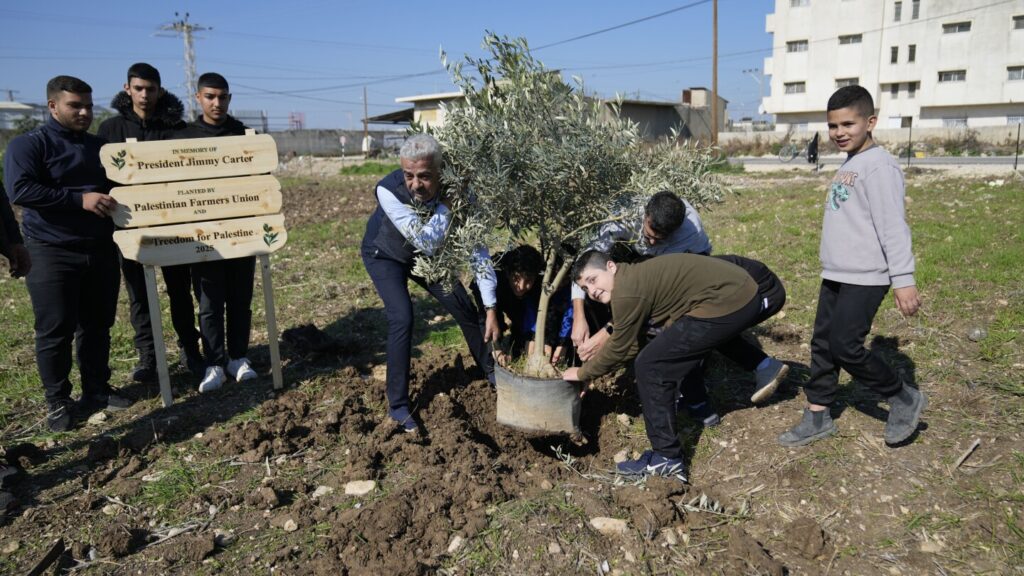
[74, 297]
[179, 286]
[211, 280]
[843, 320]
[669, 358]
[391, 279]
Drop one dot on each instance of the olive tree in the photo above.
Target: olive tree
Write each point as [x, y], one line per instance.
[529, 157]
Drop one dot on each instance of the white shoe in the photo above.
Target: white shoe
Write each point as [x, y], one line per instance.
[241, 371]
[213, 380]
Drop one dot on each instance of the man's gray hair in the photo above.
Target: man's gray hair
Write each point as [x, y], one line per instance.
[421, 147]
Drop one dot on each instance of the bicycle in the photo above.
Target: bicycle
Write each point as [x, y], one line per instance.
[790, 151]
[808, 150]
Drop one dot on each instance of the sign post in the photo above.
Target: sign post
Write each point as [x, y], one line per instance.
[198, 200]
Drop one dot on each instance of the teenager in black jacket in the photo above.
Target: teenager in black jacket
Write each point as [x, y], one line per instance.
[147, 112]
[224, 287]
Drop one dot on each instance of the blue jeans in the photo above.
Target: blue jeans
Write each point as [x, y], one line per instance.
[74, 298]
[391, 279]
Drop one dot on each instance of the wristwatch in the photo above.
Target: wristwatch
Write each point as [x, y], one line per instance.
[609, 328]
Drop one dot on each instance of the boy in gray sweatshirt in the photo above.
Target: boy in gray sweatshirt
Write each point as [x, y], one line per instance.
[865, 248]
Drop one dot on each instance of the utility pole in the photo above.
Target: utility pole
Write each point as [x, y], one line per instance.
[714, 74]
[10, 93]
[185, 29]
[366, 128]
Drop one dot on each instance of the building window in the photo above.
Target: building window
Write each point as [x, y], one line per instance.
[898, 11]
[912, 53]
[912, 89]
[796, 46]
[796, 87]
[915, 9]
[800, 127]
[956, 27]
[894, 91]
[894, 54]
[1018, 22]
[1015, 72]
[954, 122]
[799, 3]
[953, 76]
[1013, 120]
[844, 82]
[850, 39]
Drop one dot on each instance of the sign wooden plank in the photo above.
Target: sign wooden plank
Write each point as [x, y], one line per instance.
[203, 241]
[189, 159]
[196, 200]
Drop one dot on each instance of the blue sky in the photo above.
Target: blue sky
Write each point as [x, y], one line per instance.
[321, 53]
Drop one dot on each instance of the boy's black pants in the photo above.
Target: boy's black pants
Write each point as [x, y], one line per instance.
[672, 355]
[845, 313]
[74, 298]
[772, 294]
[224, 286]
[183, 318]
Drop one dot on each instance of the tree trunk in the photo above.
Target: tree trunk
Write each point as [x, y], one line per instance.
[539, 364]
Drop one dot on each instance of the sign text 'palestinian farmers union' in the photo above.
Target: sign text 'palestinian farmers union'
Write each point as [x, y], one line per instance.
[196, 200]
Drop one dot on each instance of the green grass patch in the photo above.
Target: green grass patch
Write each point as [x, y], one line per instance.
[179, 482]
[449, 337]
[369, 169]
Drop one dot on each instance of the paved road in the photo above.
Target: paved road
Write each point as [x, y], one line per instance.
[927, 161]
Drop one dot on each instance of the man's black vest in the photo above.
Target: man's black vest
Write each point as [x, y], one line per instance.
[381, 233]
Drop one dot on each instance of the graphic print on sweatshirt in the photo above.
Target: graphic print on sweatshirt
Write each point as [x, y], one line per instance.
[839, 190]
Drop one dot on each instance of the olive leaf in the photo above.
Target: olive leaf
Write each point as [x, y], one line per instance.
[269, 236]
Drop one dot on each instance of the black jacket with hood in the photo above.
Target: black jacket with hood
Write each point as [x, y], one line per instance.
[165, 121]
[199, 129]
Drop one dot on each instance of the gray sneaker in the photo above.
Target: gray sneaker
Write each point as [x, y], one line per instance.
[768, 380]
[905, 409]
[813, 426]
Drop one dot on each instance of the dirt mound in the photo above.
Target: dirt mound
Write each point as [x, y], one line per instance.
[807, 538]
[119, 540]
[746, 556]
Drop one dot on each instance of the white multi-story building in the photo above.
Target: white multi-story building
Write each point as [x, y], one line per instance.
[927, 63]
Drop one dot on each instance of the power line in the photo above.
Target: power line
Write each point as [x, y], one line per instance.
[623, 25]
[323, 42]
[291, 94]
[780, 46]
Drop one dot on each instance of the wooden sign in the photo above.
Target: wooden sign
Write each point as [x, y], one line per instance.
[173, 202]
[203, 241]
[189, 159]
[193, 215]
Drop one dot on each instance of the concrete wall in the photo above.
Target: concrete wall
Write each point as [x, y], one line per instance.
[986, 134]
[328, 142]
